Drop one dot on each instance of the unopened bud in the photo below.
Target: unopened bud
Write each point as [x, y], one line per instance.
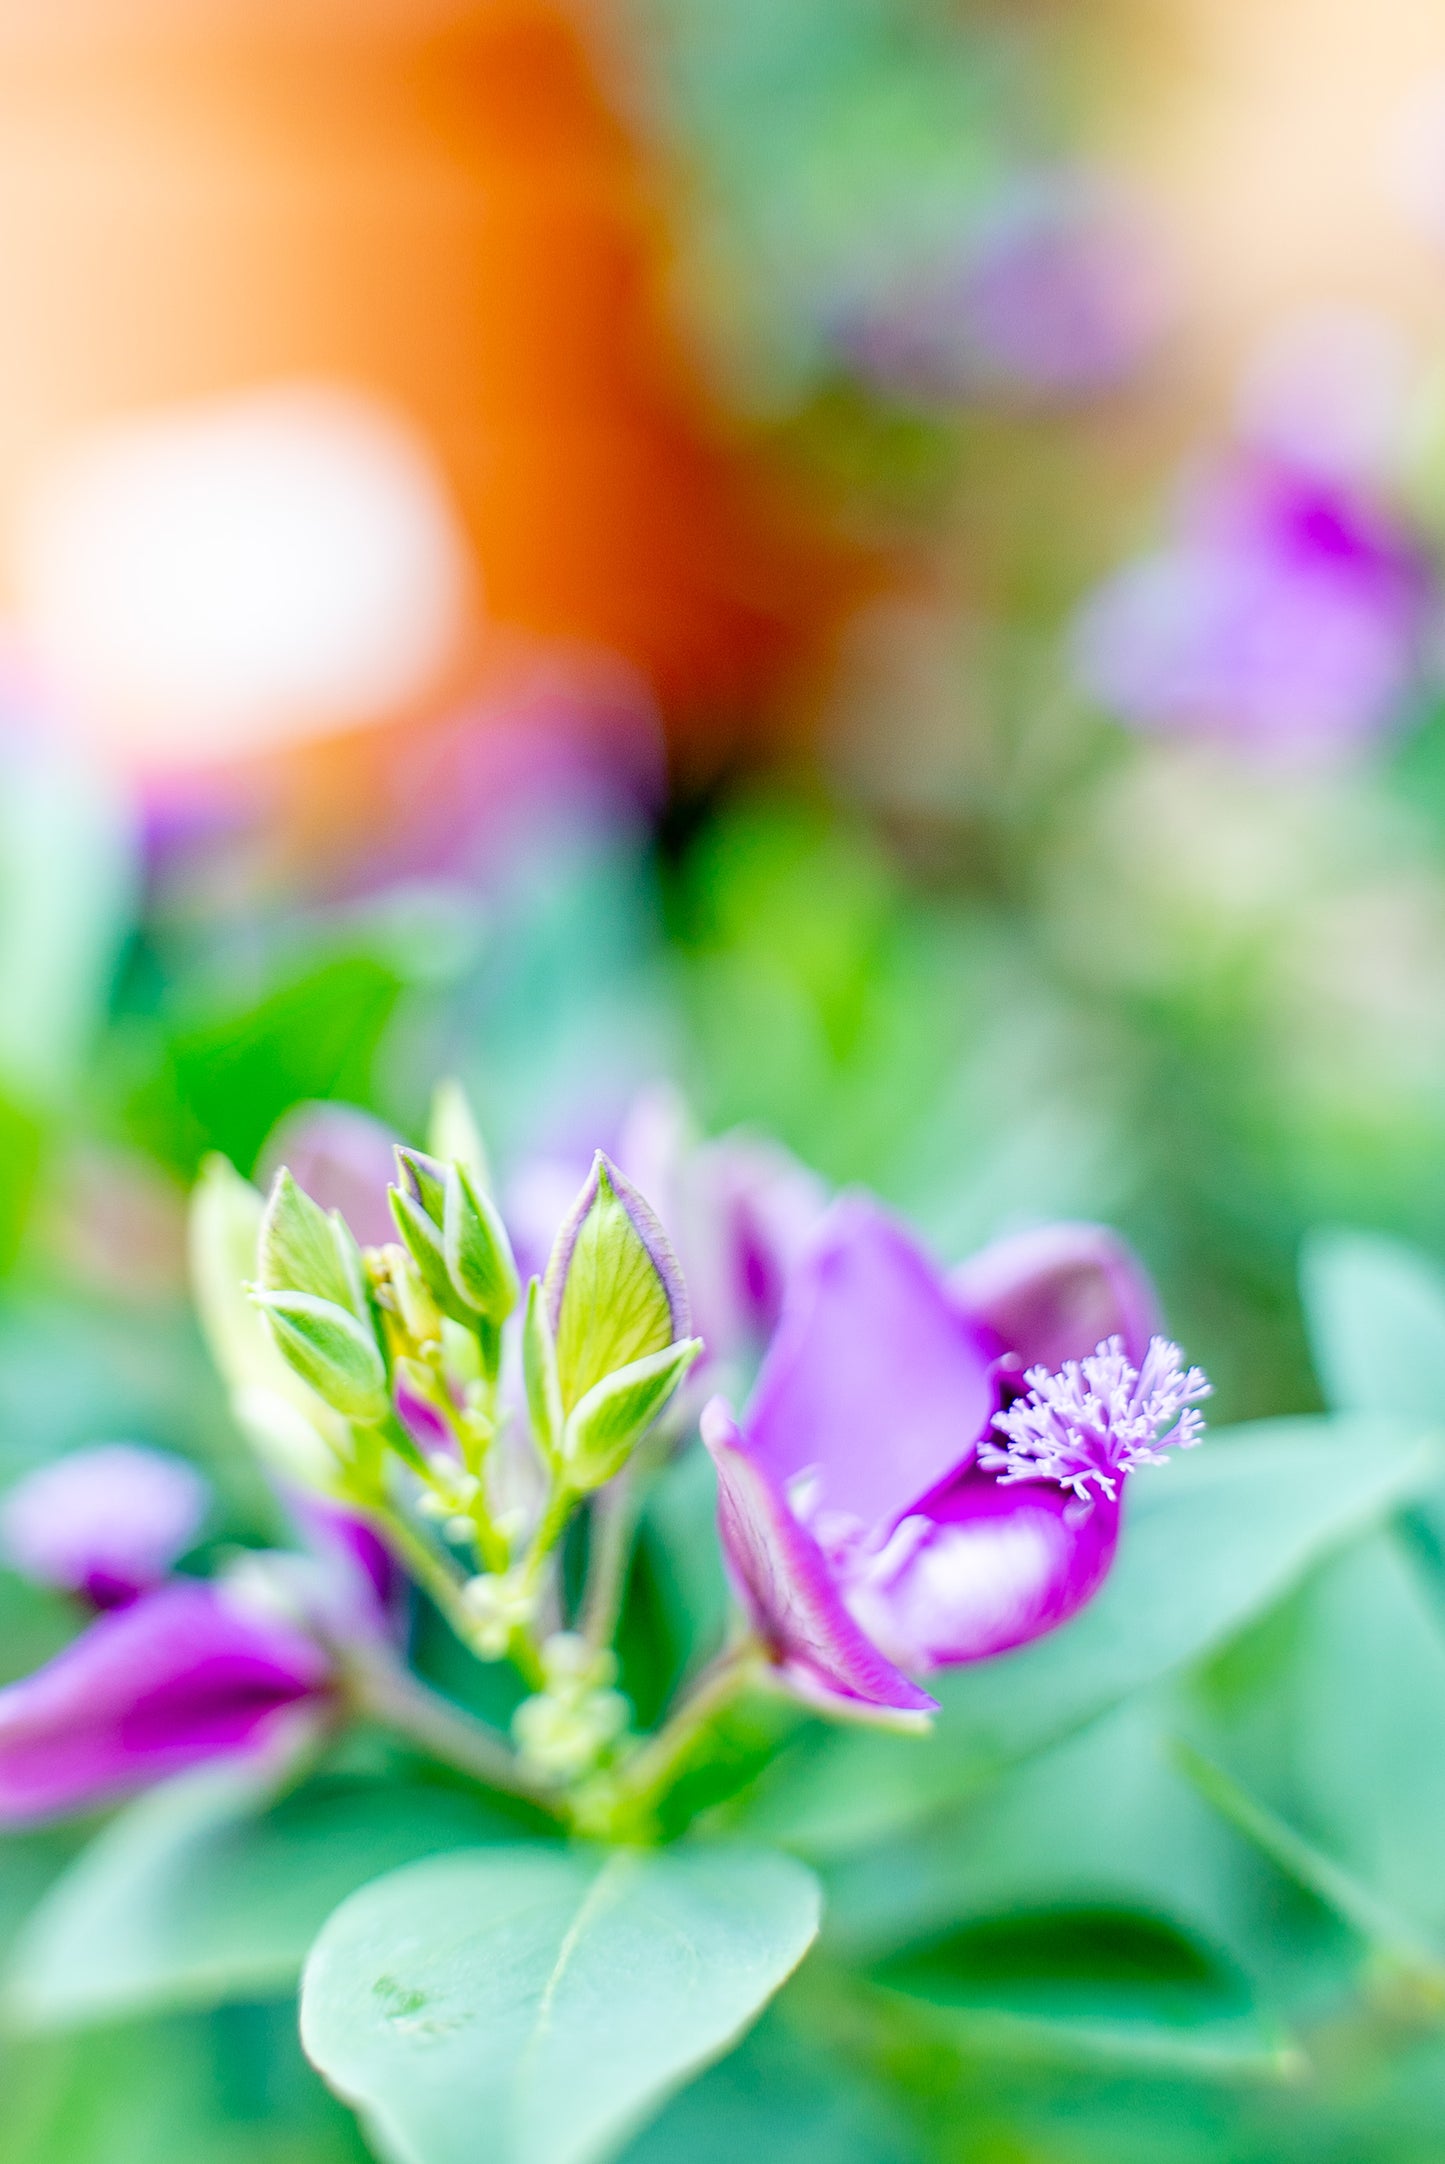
[478, 1252]
[302, 1249]
[329, 1349]
[453, 1135]
[605, 1426]
[613, 1289]
[539, 1371]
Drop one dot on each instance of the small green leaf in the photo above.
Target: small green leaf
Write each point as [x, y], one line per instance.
[478, 1252]
[330, 1350]
[539, 1367]
[1376, 1315]
[604, 1426]
[614, 1291]
[208, 1890]
[535, 2006]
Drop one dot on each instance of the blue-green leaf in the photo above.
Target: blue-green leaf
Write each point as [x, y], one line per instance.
[207, 1891]
[535, 2006]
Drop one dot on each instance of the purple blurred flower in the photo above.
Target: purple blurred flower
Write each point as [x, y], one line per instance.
[901, 1496]
[1286, 615]
[107, 1522]
[1054, 295]
[343, 1158]
[183, 1674]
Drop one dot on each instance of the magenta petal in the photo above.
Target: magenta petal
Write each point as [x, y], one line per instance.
[182, 1675]
[994, 1568]
[789, 1589]
[874, 1379]
[105, 1522]
[1056, 1293]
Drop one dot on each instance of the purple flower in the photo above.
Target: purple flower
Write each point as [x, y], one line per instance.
[1286, 615]
[901, 1495]
[183, 1674]
[107, 1522]
[1053, 295]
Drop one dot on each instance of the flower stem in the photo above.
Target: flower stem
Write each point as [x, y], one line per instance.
[393, 1696]
[652, 1770]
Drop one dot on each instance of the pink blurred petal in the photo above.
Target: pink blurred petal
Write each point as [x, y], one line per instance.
[789, 1588]
[1052, 1294]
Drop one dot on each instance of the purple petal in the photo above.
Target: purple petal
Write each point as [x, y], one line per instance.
[106, 1522]
[342, 1157]
[645, 1224]
[182, 1675]
[1053, 1294]
[789, 1590]
[370, 1583]
[985, 1568]
[875, 1383]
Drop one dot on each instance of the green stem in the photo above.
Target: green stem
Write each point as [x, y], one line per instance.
[392, 1696]
[614, 1521]
[553, 1523]
[652, 1770]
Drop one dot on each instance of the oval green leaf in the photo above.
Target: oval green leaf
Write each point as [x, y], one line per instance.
[522, 2006]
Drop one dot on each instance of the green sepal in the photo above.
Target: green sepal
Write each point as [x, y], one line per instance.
[605, 1426]
[539, 1370]
[302, 1249]
[422, 1238]
[330, 1350]
[478, 1253]
[453, 1136]
[613, 1287]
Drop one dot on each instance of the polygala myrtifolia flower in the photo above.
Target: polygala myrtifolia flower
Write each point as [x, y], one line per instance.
[173, 1671]
[931, 1468]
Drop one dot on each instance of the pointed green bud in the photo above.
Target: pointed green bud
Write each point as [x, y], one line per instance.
[330, 1350]
[478, 1252]
[421, 1318]
[418, 1209]
[613, 1288]
[302, 1249]
[606, 1425]
[453, 1135]
[539, 1371]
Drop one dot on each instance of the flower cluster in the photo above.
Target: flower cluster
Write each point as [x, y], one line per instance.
[930, 1468]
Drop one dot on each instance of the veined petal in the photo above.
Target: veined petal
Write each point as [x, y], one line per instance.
[790, 1590]
[1052, 1294]
[875, 1384]
[179, 1676]
[984, 1568]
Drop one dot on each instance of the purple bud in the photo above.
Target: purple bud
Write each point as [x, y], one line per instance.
[107, 1522]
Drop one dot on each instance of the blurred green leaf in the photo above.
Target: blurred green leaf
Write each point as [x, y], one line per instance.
[1376, 1314]
[1091, 1984]
[203, 1891]
[550, 1999]
[228, 2088]
[1209, 1542]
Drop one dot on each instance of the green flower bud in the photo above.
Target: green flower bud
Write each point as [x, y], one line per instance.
[302, 1249]
[453, 1136]
[539, 1371]
[330, 1350]
[604, 1427]
[613, 1288]
[418, 1208]
[478, 1252]
[421, 1318]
